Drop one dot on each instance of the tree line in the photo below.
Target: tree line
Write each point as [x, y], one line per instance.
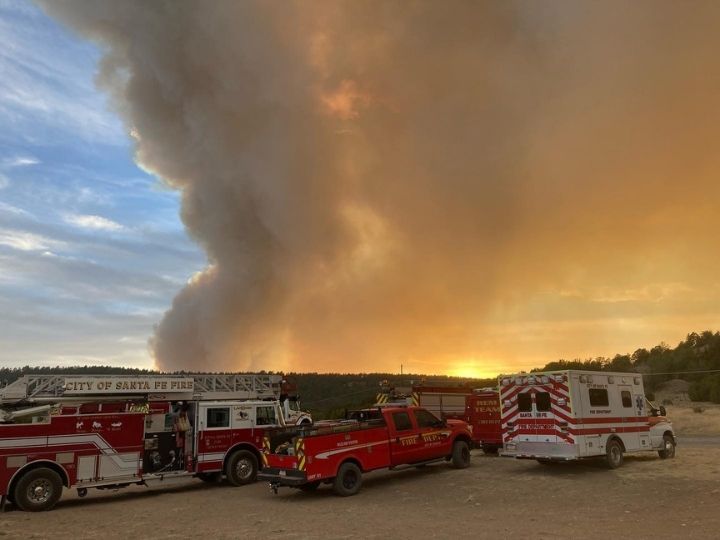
[328, 395]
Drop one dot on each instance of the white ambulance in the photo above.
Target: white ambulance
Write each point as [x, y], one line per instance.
[571, 414]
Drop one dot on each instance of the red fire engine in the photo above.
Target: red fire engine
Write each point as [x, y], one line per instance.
[479, 407]
[339, 452]
[113, 431]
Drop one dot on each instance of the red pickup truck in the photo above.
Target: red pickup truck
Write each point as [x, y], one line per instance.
[339, 452]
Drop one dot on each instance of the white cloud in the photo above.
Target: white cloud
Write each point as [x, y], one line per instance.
[93, 222]
[26, 241]
[10, 209]
[4, 181]
[19, 161]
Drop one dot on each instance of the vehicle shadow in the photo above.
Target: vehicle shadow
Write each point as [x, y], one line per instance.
[579, 467]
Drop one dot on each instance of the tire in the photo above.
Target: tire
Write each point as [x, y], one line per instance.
[38, 490]
[348, 480]
[460, 455]
[668, 451]
[542, 461]
[241, 468]
[614, 454]
[310, 486]
[210, 478]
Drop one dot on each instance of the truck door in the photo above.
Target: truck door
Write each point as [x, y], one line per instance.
[214, 435]
[433, 433]
[544, 417]
[405, 442]
[630, 418]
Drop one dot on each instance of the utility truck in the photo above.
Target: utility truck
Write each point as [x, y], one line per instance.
[572, 414]
[108, 431]
[339, 452]
[479, 407]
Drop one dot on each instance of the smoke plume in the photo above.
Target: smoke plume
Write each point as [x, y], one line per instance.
[428, 183]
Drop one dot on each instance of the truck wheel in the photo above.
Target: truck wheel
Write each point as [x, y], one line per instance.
[614, 454]
[38, 490]
[348, 480]
[668, 451]
[310, 486]
[460, 455]
[241, 468]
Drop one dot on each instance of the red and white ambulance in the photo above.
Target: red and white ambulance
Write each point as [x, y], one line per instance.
[113, 431]
[572, 414]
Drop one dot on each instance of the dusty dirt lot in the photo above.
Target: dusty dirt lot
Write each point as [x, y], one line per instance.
[494, 498]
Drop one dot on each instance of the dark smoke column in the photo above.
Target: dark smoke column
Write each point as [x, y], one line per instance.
[433, 184]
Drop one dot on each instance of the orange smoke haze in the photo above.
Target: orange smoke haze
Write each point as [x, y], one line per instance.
[458, 187]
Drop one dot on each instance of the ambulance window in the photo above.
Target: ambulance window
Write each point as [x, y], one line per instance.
[598, 397]
[626, 398]
[542, 401]
[426, 419]
[401, 421]
[218, 417]
[265, 416]
[524, 402]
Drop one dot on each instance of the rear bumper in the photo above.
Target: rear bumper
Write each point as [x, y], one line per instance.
[283, 477]
[541, 450]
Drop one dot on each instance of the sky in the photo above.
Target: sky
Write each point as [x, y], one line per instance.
[92, 249]
[458, 188]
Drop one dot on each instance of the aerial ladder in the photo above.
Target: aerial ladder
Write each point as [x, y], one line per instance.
[33, 391]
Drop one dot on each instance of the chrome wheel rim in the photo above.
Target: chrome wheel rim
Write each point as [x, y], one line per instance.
[244, 469]
[39, 491]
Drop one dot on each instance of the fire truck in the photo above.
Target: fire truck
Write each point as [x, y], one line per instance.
[479, 407]
[572, 414]
[107, 431]
[339, 452]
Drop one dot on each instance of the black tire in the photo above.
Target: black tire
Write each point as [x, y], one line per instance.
[668, 451]
[211, 477]
[310, 486]
[614, 454]
[542, 461]
[241, 468]
[460, 455]
[348, 480]
[38, 490]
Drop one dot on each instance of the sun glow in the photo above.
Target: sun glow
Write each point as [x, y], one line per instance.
[471, 369]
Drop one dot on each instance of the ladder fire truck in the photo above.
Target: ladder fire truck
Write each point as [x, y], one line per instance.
[112, 431]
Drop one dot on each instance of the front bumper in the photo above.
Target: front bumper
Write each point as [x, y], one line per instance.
[283, 477]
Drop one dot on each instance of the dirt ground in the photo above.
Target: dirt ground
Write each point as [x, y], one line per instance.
[494, 498]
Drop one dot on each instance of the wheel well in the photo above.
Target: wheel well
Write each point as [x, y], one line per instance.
[463, 438]
[37, 465]
[670, 434]
[242, 446]
[350, 460]
[615, 438]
